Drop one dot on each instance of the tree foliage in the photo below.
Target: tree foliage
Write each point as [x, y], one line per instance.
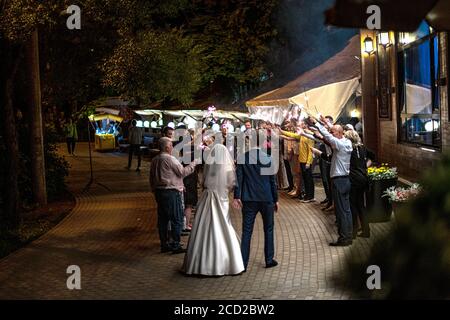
[235, 37]
[155, 66]
[188, 44]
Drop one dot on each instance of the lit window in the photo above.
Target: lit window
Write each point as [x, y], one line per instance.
[419, 93]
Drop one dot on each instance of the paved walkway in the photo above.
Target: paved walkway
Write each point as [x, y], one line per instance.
[111, 235]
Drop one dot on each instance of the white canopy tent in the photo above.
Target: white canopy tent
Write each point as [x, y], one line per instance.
[192, 118]
[325, 89]
[197, 114]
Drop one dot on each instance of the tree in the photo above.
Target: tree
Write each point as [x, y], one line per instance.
[169, 50]
[155, 66]
[10, 216]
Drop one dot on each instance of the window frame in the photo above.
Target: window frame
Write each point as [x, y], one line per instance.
[436, 113]
[447, 73]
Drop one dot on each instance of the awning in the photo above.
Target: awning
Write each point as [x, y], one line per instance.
[196, 114]
[325, 89]
[396, 15]
[98, 117]
[107, 110]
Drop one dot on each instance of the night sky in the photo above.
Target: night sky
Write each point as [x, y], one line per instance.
[310, 41]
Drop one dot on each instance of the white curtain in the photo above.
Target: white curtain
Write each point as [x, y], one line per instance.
[418, 99]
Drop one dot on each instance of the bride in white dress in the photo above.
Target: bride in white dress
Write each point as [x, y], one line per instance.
[213, 248]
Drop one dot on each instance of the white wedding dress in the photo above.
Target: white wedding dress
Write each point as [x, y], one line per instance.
[213, 248]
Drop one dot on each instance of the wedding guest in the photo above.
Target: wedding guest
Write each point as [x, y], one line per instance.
[248, 125]
[305, 158]
[190, 185]
[293, 149]
[166, 181]
[360, 159]
[168, 132]
[71, 136]
[135, 141]
[340, 171]
[287, 157]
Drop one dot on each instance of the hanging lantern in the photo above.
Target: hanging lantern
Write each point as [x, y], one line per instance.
[368, 45]
[383, 39]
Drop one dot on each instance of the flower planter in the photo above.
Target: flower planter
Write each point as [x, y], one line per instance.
[397, 206]
[379, 208]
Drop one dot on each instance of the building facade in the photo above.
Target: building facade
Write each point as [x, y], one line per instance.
[405, 97]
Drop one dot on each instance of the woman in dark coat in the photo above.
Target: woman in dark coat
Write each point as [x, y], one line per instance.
[359, 161]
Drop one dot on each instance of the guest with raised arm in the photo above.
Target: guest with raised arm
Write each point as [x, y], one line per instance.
[340, 171]
[305, 158]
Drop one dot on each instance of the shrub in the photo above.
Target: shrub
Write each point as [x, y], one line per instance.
[414, 257]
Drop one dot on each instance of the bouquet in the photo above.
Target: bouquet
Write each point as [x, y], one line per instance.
[382, 172]
[400, 194]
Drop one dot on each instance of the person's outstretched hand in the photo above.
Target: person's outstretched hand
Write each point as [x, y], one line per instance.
[277, 206]
[237, 203]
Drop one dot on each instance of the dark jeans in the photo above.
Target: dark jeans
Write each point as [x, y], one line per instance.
[170, 208]
[325, 168]
[341, 197]
[289, 174]
[308, 181]
[357, 208]
[249, 210]
[70, 145]
[134, 148]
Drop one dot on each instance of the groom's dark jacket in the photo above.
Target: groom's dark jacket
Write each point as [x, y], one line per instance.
[251, 184]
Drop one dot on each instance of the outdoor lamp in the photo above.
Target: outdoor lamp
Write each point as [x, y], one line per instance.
[368, 45]
[146, 124]
[383, 39]
[153, 124]
[405, 38]
[431, 125]
[171, 125]
[354, 113]
[139, 124]
[160, 122]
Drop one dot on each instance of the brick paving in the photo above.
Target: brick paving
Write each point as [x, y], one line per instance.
[112, 236]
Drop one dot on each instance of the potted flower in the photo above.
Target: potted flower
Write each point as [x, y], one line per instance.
[399, 195]
[381, 178]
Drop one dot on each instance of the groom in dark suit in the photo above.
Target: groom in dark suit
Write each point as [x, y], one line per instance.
[256, 192]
